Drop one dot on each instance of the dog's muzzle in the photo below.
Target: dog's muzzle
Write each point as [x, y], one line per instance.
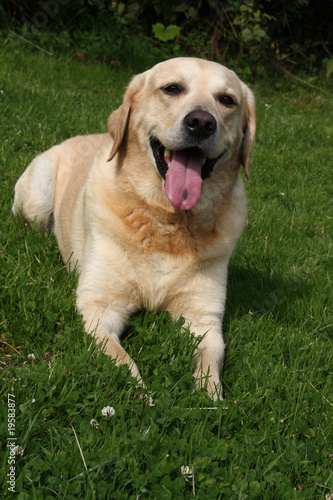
[184, 171]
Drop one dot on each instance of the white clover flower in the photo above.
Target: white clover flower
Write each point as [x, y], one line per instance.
[143, 397]
[33, 400]
[31, 356]
[186, 471]
[94, 423]
[281, 194]
[150, 402]
[108, 411]
[18, 450]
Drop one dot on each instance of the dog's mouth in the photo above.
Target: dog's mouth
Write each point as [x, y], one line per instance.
[183, 171]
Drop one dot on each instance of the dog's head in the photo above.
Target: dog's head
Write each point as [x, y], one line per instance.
[192, 116]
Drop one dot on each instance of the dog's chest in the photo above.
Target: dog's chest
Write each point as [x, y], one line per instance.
[153, 256]
[176, 235]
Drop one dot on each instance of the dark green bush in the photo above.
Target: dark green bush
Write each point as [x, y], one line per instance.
[251, 31]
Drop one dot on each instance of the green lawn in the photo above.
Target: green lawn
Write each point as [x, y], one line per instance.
[272, 437]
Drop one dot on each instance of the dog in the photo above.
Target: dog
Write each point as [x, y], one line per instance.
[150, 212]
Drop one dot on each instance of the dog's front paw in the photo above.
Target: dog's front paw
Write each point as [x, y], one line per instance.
[213, 387]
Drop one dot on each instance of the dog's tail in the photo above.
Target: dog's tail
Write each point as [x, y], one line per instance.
[35, 188]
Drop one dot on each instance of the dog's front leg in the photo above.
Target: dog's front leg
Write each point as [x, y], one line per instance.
[106, 323]
[209, 355]
[202, 304]
[202, 307]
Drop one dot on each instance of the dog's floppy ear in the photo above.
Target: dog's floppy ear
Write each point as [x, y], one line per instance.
[118, 120]
[249, 128]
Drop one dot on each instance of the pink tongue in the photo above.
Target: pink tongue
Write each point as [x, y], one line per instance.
[183, 180]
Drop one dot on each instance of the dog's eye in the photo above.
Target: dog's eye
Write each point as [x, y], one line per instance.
[226, 100]
[172, 89]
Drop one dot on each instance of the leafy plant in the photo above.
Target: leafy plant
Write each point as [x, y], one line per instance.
[329, 67]
[252, 23]
[165, 33]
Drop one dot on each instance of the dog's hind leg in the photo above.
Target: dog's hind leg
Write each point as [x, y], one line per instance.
[34, 189]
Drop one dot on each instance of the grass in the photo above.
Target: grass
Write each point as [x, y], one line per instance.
[272, 437]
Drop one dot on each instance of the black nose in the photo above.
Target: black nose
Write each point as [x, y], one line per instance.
[200, 124]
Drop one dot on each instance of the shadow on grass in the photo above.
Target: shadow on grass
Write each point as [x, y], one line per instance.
[262, 292]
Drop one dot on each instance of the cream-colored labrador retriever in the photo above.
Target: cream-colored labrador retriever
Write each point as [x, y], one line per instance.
[151, 212]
